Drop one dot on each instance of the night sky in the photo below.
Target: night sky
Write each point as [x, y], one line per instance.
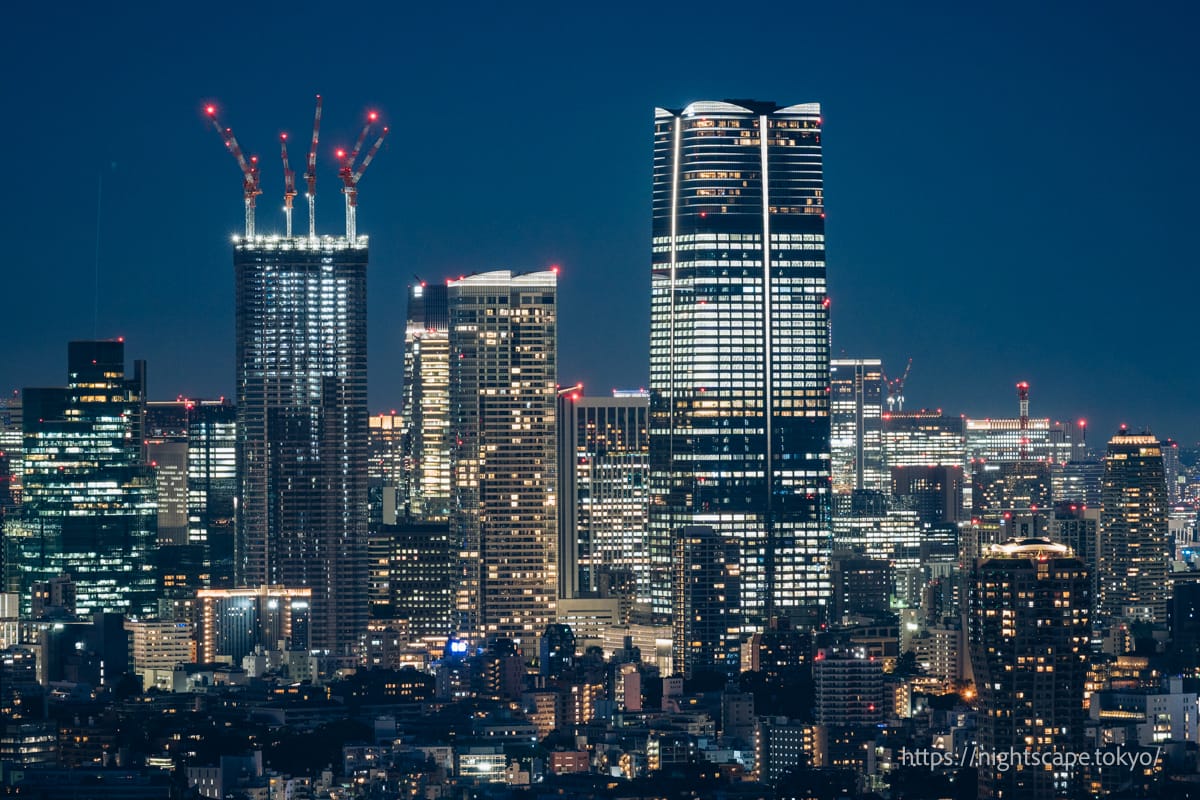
[1011, 194]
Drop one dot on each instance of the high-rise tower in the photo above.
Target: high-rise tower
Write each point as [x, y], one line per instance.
[739, 348]
[856, 414]
[1030, 604]
[503, 391]
[427, 402]
[603, 500]
[302, 425]
[89, 505]
[1135, 543]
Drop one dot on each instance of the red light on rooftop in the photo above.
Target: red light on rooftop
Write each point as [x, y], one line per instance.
[340, 153]
[1083, 423]
[374, 115]
[210, 110]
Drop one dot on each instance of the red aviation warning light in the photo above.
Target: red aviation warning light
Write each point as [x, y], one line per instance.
[289, 184]
[250, 175]
[351, 175]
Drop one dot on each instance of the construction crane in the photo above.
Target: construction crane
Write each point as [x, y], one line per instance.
[895, 389]
[250, 174]
[351, 175]
[310, 173]
[289, 184]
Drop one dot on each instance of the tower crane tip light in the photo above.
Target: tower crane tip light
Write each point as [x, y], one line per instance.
[350, 170]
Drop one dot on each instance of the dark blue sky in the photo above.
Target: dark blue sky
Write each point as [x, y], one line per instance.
[1011, 192]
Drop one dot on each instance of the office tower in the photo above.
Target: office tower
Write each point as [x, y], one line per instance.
[935, 493]
[301, 356]
[1077, 482]
[707, 587]
[387, 472]
[11, 443]
[1022, 438]
[191, 446]
[856, 423]
[235, 621]
[1015, 497]
[603, 495]
[1172, 469]
[1078, 527]
[872, 530]
[1029, 626]
[739, 348]
[1185, 623]
[861, 585]
[89, 505]
[502, 405]
[923, 439]
[418, 568]
[426, 413]
[213, 485]
[167, 456]
[1135, 544]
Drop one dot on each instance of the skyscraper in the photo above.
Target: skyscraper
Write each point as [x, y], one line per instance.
[503, 341]
[1029, 629]
[603, 497]
[427, 402]
[302, 425]
[706, 619]
[923, 439]
[89, 502]
[856, 414]
[739, 348]
[1135, 543]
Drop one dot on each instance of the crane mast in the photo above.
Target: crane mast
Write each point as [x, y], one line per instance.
[250, 172]
[310, 173]
[289, 184]
[351, 175]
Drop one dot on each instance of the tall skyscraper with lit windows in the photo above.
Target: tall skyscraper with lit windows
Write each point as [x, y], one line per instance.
[301, 355]
[1135, 540]
[739, 348]
[89, 507]
[856, 424]
[503, 395]
[426, 410]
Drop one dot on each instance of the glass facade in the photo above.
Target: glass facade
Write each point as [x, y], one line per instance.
[301, 354]
[503, 390]
[89, 508]
[856, 424]
[604, 497]
[427, 402]
[739, 348]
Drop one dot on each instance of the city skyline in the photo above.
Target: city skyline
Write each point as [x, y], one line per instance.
[954, 230]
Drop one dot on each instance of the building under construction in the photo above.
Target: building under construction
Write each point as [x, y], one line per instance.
[301, 343]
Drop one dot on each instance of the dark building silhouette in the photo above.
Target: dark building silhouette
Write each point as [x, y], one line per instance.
[707, 617]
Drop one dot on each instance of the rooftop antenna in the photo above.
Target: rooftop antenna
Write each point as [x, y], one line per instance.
[289, 184]
[310, 173]
[250, 176]
[1023, 407]
[351, 176]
